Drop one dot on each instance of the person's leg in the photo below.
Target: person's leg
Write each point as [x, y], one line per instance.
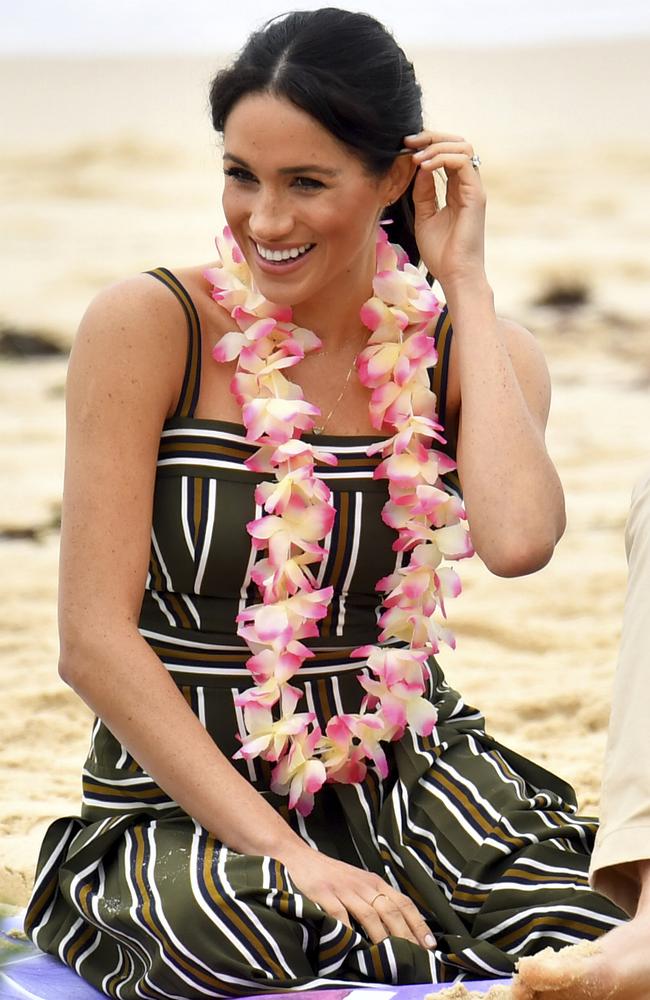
[620, 867]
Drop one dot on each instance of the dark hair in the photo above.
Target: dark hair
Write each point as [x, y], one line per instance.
[345, 70]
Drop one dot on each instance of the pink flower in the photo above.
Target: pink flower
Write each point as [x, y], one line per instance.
[268, 738]
[277, 419]
[299, 773]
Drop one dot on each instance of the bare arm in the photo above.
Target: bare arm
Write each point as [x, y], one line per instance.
[513, 495]
[122, 383]
[512, 492]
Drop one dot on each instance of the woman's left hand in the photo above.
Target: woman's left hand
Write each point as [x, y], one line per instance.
[450, 239]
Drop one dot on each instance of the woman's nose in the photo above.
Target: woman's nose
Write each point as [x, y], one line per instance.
[270, 219]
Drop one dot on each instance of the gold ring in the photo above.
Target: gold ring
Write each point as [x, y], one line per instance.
[372, 901]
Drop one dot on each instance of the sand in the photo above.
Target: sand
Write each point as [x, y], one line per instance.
[111, 169]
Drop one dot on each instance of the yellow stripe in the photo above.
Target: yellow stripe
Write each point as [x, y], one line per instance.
[376, 963]
[223, 904]
[44, 899]
[180, 610]
[336, 949]
[586, 930]
[123, 793]
[198, 500]
[72, 952]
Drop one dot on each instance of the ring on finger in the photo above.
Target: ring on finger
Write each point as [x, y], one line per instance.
[475, 160]
[372, 901]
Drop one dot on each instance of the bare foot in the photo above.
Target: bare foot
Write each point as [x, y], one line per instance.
[616, 967]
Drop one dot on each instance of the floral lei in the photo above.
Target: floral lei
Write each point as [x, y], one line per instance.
[298, 517]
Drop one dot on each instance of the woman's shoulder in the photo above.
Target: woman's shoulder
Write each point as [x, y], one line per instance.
[148, 311]
[132, 331]
[138, 303]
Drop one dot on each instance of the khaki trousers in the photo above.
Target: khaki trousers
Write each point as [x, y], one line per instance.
[624, 834]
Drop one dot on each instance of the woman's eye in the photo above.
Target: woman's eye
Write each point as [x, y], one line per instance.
[309, 183]
[239, 174]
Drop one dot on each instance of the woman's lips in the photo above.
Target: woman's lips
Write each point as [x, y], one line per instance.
[280, 266]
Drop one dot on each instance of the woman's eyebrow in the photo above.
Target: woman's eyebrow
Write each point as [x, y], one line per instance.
[304, 168]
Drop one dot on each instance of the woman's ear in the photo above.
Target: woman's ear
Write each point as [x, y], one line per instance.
[398, 178]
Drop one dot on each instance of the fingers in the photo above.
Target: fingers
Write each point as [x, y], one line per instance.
[389, 913]
[436, 150]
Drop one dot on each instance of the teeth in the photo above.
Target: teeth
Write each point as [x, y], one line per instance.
[283, 254]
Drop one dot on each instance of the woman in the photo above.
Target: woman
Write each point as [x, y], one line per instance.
[404, 853]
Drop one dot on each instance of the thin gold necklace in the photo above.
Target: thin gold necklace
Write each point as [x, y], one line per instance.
[319, 428]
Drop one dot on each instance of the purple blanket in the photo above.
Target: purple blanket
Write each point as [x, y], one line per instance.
[26, 974]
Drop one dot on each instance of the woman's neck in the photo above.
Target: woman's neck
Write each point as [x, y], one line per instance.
[333, 313]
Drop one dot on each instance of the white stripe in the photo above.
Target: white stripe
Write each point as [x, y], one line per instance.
[68, 937]
[327, 545]
[230, 647]
[93, 735]
[140, 780]
[207, 538]
[201, 432]
[118, 968]
[336, 695]
[128, 807]
[530, 862]
[309, 695]
[52, 862]
[357, 499]
[185, 521]
[84, 955]
[561, 909]
[516, 782]
[553, 935]
[243, 672]
[302, 826]
[539, 886]
[252, 556]
[121, 760]
[364, 805]
[241, 729]
[483, 964]
[215, 463]
[191, 607]
[200, 705]
[156, 548]
[334, 933]
[390, 955]
[163, 607]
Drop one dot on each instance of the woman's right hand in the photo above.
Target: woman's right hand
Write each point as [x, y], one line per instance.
[344, 891]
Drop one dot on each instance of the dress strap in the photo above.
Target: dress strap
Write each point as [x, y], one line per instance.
[443, 335]
[192, 377]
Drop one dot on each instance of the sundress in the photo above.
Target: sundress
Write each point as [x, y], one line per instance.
[142, 901]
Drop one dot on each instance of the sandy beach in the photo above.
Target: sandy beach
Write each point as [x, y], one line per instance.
[111, 168]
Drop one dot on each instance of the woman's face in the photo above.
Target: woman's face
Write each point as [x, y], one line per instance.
[302, 208]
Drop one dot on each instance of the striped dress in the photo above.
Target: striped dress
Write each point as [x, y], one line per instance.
[141, 901]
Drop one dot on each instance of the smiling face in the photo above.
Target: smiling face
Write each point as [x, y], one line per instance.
[302, 207]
